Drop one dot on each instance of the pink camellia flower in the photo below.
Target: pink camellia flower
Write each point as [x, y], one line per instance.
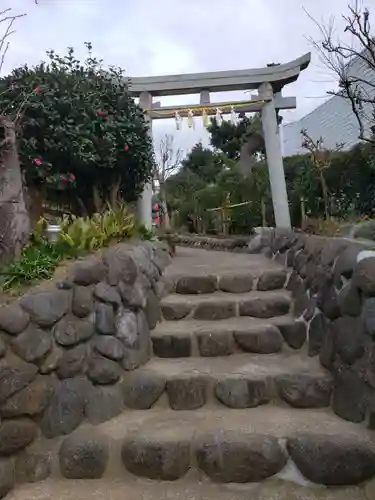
[72, 177]
[126, 147]
[100, 112]
[38, 161]
[63, 178]
[38, 90]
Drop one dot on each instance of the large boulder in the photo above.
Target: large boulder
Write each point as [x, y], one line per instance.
[45, 308]
[84, 455]
[237, 457]
[13, 319]
[120, 265]
[141, 389]
[15, 435]
[15, 377]
[32, 344]
[333, 460]
[88, 271]
[67, 407]
[31, 400]
[104, 403]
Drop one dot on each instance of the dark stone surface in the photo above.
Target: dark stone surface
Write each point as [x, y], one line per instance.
[7, 476]
[104, 319]
[215, 344]
[293, 332]
[175, 312]
[32, 344]
[272, 280]
[294, 283]
[73, 361]
[110, 347]
[84, 455]
[327, 353]
[348, 338]
[104, 403]
[368, 315]
[14, 378]
[66, 409]
[364, 276]
[166, 460]
[196, 284]
[350, 300]
[32, 467]
[350, 396]
[240, 391]
[311, 308]
[327, 301]
[135, 335]
[333, 460]
[3, 348]
[13, 319]
[70, 331]
[187, 391]
[83, 303]
[172, 346]
[31, 400]
[152, 309]
[317, 332]
[237, 457]
[50, 363]
[214, 310]
[15, 435]
[88, 271]
[305, 390]
[301, 303]
[107, 293]
[103, 371]
[265, 307]
[120, 265]
[133, 296]
[263, 339]
[45, 308]
[236, 283]
[142, 389]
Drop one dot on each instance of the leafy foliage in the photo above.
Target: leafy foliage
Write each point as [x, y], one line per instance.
[78, 236]
[80, 130]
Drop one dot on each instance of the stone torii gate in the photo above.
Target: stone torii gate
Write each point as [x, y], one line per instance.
[269, 82]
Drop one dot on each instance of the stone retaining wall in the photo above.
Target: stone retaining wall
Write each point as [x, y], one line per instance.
[232, 244]
[333, 285]
[65, 350]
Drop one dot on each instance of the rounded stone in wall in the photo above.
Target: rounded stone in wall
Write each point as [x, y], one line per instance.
[84, 455]
[15, 435]
[13, 319]
[103, 371]
[45, 308]
[14, 378]
[333, 460]
[83, 303]
[70, 331]
[88, 271]
[32, 344]
[272, 280]
[109, 346]
[32, 467]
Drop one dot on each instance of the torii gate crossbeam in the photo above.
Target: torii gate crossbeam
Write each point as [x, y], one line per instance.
[269, 81]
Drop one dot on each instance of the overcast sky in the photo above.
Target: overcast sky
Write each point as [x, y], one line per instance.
[152, 37]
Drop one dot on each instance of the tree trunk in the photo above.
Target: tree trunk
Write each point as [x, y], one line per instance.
[113, 194]
[34, 199]
[163, 202]
[264, 212]
[14, 218]
[98, 202]
[325, 194]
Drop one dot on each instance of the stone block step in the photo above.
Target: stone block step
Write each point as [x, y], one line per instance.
[219, 446]
[237, 281]
[238, 381]
[179, 339]
[221, 305]
[188, 488]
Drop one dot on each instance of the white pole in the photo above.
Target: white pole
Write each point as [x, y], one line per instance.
[144, 204]
[274, 157]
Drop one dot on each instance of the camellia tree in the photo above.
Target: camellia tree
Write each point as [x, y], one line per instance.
[82, 138]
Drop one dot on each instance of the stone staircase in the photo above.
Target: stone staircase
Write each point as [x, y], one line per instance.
[230, 406]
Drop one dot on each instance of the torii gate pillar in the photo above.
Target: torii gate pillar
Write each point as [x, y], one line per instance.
[144, 202]
[272, 140]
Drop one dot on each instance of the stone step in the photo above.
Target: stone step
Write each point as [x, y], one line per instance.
[134, 488]
[222, 305]
[179, 339]
[237, 381]
[220, 446]
[237, 281]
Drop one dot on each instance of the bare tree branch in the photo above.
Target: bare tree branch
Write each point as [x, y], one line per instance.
[339, 56]
[4, 43]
